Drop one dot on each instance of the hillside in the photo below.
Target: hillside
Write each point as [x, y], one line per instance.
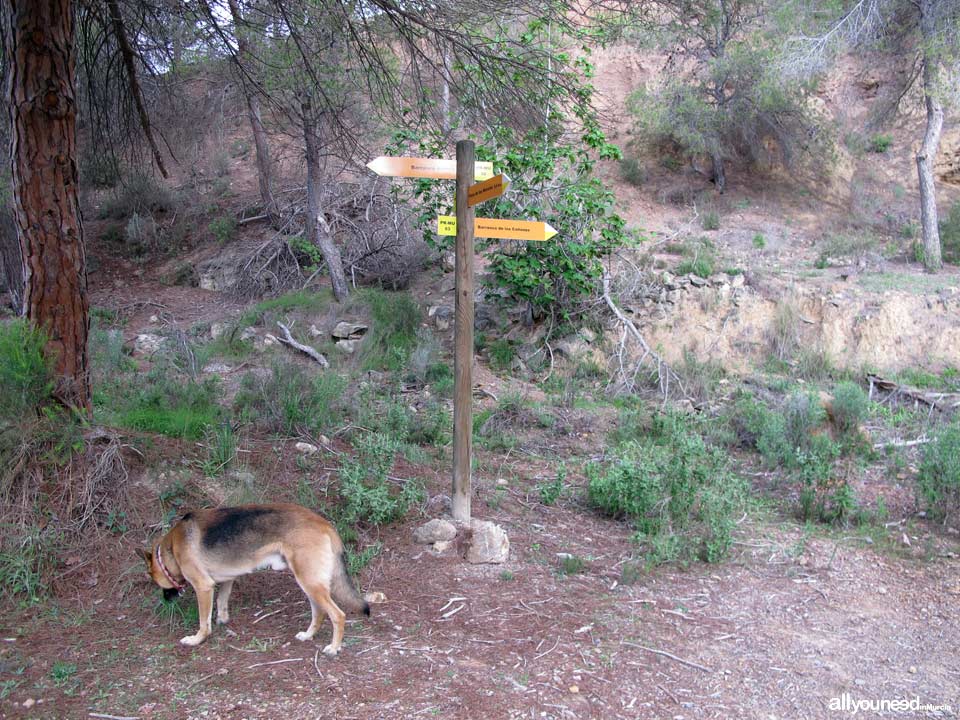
[817, 379]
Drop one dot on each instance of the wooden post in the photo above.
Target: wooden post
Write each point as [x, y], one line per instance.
[463, 338]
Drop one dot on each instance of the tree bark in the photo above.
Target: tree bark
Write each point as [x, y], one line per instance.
[11, 260]
[40, 56]
[317, 230]
[264, 173]
[130, 64]
[932, 259]
[718, 174]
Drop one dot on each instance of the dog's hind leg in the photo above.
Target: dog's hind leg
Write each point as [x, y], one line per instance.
[318, 592]
[223, 602]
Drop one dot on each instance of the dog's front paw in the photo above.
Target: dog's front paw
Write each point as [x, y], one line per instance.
[193, 639]
[304, 635]
[223, 618]
[331, 651]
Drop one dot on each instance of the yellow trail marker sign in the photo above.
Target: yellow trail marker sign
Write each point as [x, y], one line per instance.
[502, 229]
[386, 166]
[487, 190]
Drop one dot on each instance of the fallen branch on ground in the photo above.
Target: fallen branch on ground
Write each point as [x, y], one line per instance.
[664, 653]
[664, 373]
[287, 339]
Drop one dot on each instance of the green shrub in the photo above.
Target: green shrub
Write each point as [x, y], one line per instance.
[26, 558]
[822, 498]
[880, 143]
[950, 235]
[221, 450]
[710, 220]
[678, 492]
[290, 402]
[502, 354]
[139, 194]
[551, 491]
[431, 426]
[633, 171]
[759, 241]
[802, 414]
[223, 228]
[26, 375]
[393, 335]
[938, 482]
[850, 405]
[700, 258]
[367, 495]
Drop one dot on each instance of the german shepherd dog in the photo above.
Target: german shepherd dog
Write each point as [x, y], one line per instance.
[213, 547]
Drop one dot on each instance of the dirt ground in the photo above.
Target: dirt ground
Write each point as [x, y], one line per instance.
[792, 621]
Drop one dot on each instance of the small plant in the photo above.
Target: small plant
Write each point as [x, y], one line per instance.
[850, 405]
[938, 482]
[950, 235]
[502, 354]
[551, 491]
[358, 560]
[880, 143]
[678, 492]
[785, 331]
[221, 450]
[290, 402]
[572, 564]
[633, 171]
[366, 495]
[223, 228]
[179, 612]
[759, 241]
[25, 373]
[393, 334]
[700, 258]
[710, 220]
[25, 559]
[62, 672]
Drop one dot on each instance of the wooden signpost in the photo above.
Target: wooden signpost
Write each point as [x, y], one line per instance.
[465, 226]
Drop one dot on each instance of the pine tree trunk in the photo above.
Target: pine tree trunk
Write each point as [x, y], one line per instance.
[42, 106]
[932, 259]
[264, 172]
[317, 231]
[719, 173]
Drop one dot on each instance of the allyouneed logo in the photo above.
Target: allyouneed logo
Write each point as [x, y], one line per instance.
[847, 703]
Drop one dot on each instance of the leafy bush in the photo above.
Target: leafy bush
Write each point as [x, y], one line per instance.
[880, 143]
[26, 377]
[938, 482]
[633, 171]
[700, 258]
[140, 194]
[367, 496]
[290, 402]
[551, 491]
[26, 557]
[850, 405]
[223, 228]
[678, 492]
[393, 334]
[803, 413]
[502, 354]
[950, 235]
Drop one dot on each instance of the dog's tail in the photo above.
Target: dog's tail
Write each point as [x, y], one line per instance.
[343, 590]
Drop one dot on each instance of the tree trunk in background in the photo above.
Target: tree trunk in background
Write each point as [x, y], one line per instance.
[447, 120]
[40, 57]
[719, 175]
[264, 173]
[130, 64]
[316, 228]
[932, 259]
[11, 260]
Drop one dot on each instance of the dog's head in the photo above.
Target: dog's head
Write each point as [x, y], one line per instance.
[156, 574]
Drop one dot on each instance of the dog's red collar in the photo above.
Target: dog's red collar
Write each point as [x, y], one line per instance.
[179, 587]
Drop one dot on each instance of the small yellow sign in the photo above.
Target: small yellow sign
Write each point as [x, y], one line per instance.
[487, 190]
[502, 229]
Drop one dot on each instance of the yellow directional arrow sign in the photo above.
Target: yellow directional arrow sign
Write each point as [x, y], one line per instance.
[503, 229]
[425, 168]
[487, 190]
